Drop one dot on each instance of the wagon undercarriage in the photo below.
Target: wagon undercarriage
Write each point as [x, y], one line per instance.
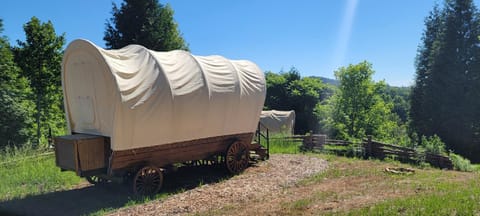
[90, 157]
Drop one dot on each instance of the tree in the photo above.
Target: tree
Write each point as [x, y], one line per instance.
[39, 57]
[15, 108]
[421, 103]
[400, 98]
[358, 108]
[445, 96]
[144, 22]
[289, 91]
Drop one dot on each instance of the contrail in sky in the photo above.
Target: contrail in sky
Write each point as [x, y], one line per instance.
[344, 34]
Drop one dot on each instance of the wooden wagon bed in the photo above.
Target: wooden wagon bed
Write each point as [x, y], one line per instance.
[161, 155]
[91, 154]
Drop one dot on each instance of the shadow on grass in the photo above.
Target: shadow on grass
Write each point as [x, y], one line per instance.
[91, 199]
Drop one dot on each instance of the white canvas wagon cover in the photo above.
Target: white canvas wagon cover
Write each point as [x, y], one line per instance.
[278, 121]
[139, 97]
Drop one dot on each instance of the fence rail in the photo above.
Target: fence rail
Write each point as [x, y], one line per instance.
[380, 150]
[9, 162]
[369, 148]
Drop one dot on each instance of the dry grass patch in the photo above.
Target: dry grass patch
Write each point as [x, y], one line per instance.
[350, 185]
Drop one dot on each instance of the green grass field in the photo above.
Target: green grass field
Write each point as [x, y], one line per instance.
[278, 145]
[352, 186]
[27, 172]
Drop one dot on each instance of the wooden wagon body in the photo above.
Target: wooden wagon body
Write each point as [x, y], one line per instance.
[89, 155]
[133, 107]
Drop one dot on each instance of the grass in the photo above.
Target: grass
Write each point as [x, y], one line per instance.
[24, 173]
[451, 199]
[353, 186]
[278, 145]
[427, 192]
[350, 186]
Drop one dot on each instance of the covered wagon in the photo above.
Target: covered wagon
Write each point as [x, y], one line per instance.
[278, 121]
[134, 111]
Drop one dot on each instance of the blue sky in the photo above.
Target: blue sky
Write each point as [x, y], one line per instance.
[315, 36]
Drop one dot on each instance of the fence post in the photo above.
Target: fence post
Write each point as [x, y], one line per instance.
[321, 141]
[368, 148]
[308, 142]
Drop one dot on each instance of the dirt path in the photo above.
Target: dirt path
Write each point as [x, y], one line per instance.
[267, 178]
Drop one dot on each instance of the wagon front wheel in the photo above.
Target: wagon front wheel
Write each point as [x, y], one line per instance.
[237, 157]
[147, 181]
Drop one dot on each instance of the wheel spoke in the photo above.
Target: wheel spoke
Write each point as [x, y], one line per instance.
[148, 181]
[236, 158]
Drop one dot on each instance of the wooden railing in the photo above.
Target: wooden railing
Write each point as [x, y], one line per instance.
[262, 137]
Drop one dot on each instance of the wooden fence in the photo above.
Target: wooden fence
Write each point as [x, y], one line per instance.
[380, 150]
[369, 149]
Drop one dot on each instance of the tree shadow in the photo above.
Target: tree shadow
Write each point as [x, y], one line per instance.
[90, 199]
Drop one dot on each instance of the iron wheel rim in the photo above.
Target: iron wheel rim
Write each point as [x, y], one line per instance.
[237, 157]
[147, 181]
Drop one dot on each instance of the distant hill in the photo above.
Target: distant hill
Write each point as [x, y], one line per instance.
[337, 83]
[328, 80]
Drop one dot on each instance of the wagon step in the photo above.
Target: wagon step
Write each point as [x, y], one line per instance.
[258, 152]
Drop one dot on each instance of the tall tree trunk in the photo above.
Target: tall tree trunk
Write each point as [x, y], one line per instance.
[38, 119]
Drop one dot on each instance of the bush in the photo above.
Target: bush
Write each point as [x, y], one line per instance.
[433, 145]
[15, 119]
[460, 163]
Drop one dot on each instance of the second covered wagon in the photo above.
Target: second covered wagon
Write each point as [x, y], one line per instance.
[134, 111]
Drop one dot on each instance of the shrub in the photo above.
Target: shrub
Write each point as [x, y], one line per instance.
[433, 145]
[460, 163]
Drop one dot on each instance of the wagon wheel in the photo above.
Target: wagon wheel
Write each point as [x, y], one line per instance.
[147, 181]
[237, 157]
[96, 180]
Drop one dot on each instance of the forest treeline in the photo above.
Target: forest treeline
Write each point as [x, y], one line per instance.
[441, 107]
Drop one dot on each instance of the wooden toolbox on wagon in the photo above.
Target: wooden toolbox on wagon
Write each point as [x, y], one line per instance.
[82, 153]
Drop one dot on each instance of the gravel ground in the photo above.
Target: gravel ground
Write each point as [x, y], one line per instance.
[265, 178]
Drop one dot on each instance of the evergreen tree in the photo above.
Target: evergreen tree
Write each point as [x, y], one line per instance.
[39, 57]
[421, 101]
[15, 108]
[444, 99]
[144, 22]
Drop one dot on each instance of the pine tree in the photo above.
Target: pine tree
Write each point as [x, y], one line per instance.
[143, 22]
[444, 96]
[420, 102]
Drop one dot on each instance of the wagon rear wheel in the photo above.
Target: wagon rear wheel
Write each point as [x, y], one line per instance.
[237, 157]
[147, 181]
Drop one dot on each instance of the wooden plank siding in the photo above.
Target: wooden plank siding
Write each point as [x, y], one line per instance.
[161, 155]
